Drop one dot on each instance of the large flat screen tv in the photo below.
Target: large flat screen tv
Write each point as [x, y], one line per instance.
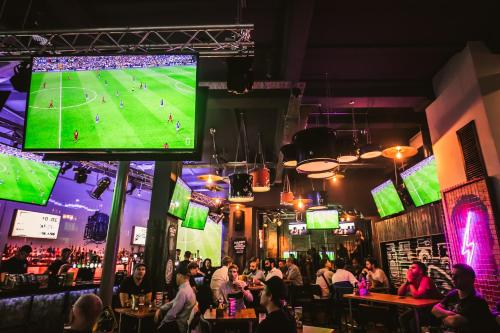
[196, 216]
[205, 243]
[24, 177]
[387, 199]
[422, 182]
[322, 219]
[34, 225]
[180, 199]
[113, 103]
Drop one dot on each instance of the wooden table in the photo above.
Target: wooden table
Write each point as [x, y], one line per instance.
[255, 288]
[137, 314]
[241, 316]
[406, 301]
[314, 329]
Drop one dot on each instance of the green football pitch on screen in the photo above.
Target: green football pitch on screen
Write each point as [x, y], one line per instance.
[123, 108]
[387, 199]
[196, 216]
[322, 219]
[26, 180]
[208, 242]
[422, 182]
[180, 199]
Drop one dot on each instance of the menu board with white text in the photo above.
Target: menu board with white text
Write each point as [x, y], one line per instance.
[139, 236]
[35, 225]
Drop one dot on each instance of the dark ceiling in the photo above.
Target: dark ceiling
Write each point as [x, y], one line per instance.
[382, 55]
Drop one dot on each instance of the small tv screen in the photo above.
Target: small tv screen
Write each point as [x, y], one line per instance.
[180, 199]
[139, 235]
[331, 255]
[196, 216]
[287, 254]
[422, 183]
[297, 229]
[345, 228]
[104, 103]
[387, 199]
[24, 177]
[322, 219]
[205, 243]
[35, 225]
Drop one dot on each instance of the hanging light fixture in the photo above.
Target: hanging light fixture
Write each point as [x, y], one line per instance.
[260, 173]
[349, 148]
[240, 184]
[301, 204]
[399, 152]
[318, 200]
[321, 175]
[338, 175]
[315, 149]
[286, 196]
[369, 150]
[213, 175]
[289, 158]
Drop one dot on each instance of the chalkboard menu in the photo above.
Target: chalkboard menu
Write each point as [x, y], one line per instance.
[35, 225]
[397, 256]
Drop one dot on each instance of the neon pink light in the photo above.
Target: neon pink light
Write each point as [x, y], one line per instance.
[467, 245]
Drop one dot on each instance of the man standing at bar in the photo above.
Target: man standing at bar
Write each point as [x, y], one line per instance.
[17, 264]
[293, 273]
[135, 285]
[220, 277]
[54, 269]
[463, 309]
[186, 261]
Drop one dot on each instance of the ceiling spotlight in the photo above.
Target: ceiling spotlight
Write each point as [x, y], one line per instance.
[21, 78]
[81, 174]
[65, 166]
[98, 190]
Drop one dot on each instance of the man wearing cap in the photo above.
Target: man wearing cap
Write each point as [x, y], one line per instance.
[277, 318]
[173, 316]
[136, 284]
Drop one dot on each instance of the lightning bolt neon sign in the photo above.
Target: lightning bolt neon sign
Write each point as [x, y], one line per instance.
[467, 245]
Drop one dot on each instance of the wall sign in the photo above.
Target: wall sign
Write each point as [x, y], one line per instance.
[239, 245]
[35, 225]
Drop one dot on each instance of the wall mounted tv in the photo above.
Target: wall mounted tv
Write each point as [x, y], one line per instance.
[24, 177]
[345, 228]
[196, 216]
[322, 219]
[139, 235]
[387, 199]
[422, 182]
[297, 229]
[34, 225]
[102, 104]
[180, 199]
[206, 243]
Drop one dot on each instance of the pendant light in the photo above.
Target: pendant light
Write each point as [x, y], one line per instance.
[321, 175]
[369, 150]
[349, 148]
[286, 196]
[399, 152]
[260, 173]
[213, 175]
[289, 158]
[315, 149]
[318, 200]
[240, 184]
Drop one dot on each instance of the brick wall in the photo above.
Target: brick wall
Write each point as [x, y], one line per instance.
[472, 234]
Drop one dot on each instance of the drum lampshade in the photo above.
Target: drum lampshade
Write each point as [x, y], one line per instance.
[316, 148]
[289, 155]
[240, 187]
[286, 198]
[261, 179]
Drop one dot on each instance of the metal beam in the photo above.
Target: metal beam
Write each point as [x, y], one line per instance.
[208, 40]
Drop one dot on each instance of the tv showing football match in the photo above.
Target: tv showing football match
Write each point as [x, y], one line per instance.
[206, 243]
[112, 103]
[180, 199]
[196, 216]
[24, 177]
[387, 199]
[422, 182]
[322, 219]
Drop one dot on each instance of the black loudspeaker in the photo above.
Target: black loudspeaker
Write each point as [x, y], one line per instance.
[239, 220]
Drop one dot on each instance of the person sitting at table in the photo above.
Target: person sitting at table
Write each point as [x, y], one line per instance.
[277, 319]
[270, 270]
[342, 275]
[293, 273]
[194, 275]
[282, 266]
[235, 288]
[324, 277]
[220, 277]
[355, 268]
[253, 273]
[84, 314]
[463, 309]
[17, 264]
[173, 316]
[207, 269]
[136, 284]
[375, 275]
[418, 285]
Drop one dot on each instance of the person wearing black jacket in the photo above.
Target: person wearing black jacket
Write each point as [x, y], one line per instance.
[278, 319]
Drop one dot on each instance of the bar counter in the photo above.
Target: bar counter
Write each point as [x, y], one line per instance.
[40, 310]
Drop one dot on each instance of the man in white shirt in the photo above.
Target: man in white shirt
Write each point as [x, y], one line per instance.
[342, 275]
[375, 275]
[270, 270]
[324, 277]
[220, 277]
